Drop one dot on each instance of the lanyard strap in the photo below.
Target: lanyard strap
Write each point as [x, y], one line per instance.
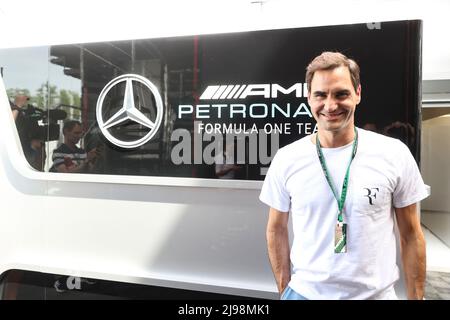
[341, 200]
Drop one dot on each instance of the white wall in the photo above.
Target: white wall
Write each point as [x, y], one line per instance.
[27, 23]
[435, 163]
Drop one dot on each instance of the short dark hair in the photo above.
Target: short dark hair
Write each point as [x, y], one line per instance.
[329, 61]
[70, 124]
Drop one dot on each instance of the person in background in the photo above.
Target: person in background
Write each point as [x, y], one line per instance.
[68, 157]
[33, 144]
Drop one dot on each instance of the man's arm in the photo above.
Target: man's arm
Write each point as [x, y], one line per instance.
[278, 247]
[86, 166]
[412, 243]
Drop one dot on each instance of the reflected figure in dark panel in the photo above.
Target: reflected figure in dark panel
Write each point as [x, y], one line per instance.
[403, 131]
[32, 137]
[225, 166]
[370, 127]
[68, 157]
[345, 188]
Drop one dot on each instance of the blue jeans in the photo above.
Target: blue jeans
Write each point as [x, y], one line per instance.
[289, 294]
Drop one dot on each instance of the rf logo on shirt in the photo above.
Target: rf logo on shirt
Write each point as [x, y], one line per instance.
[371, 194]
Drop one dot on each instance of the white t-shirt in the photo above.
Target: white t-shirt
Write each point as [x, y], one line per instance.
[383, 175]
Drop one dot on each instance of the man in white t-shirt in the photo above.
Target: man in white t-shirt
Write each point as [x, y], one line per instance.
[343, 187]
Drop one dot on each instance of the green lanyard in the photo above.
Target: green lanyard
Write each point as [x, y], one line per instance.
[340, 201]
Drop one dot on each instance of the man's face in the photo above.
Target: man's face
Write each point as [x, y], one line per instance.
[333, 99]
[74, 135]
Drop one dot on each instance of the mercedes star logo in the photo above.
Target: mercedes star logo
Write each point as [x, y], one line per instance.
[128, 111]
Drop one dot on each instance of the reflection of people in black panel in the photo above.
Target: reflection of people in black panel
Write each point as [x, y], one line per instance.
[31, 136]
[68, 157]
[370, 126]
[402, 131]
[225, 166]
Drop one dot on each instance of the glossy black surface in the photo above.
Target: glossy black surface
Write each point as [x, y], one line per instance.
[183, 67]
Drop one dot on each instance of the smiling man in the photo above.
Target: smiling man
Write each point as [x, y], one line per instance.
[343, 187]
